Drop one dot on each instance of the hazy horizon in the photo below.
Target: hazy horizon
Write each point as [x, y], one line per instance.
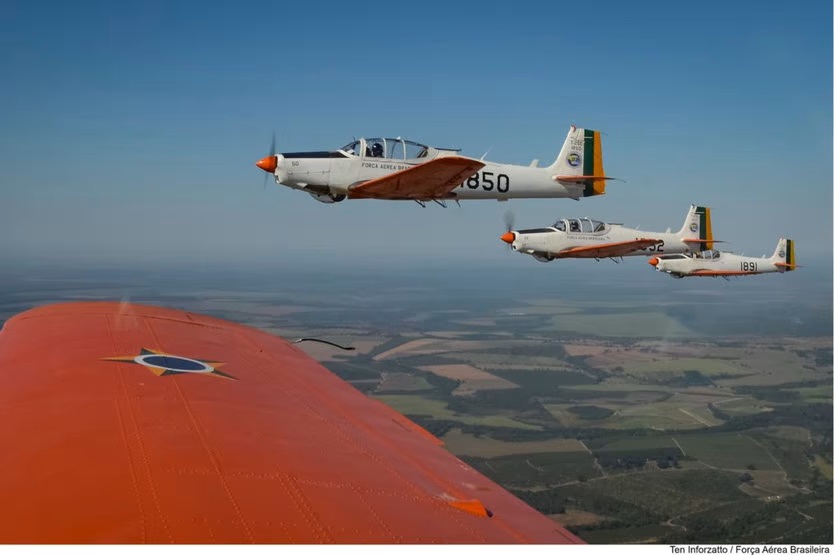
[798, 302]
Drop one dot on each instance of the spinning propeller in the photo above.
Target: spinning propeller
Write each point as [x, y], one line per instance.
[269, 163]
[509, 236]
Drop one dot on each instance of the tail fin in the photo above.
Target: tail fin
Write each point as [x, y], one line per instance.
[784, 256]
[580, 162]
[697, 229]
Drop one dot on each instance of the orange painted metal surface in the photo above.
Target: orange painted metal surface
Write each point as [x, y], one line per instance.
[602, 250]
[159, 446]
[435, 179]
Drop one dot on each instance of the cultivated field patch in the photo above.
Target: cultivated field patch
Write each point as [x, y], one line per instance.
[818, 394]
[461, 443]
[537, 469]
[422, 406]
[583, 349]
[399, 381]
[740, 406]
[769, 483]
[472, 379]
[663, 415]
[706, 366]
[824, 466]
[773, 367]
[669, 492]
[734, 451]
[576, 517]
[414, 345]
[638, 444]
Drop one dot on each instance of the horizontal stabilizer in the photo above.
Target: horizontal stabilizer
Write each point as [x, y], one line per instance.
[580, 178]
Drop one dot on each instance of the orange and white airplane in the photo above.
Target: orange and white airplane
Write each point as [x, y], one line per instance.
[396, 169]
[713, 263]
[587, 238]
[126, 423]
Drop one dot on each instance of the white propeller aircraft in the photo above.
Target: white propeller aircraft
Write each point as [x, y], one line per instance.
[396, 169]
[587, 238]
[725, 264]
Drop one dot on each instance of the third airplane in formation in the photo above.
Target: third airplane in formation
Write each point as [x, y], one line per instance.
[724, 264]
[587, 238]
[396, 169]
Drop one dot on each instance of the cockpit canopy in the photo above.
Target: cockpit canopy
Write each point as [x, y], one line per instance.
[391, 149]
[580, 225]
[708, 255]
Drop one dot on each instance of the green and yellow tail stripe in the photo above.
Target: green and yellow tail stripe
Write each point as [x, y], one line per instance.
[705, 227]
[592, 164]
[790, 256]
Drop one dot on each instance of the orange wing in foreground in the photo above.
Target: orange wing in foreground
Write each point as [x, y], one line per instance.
[605, 250]
[431, 180]
[117, 430]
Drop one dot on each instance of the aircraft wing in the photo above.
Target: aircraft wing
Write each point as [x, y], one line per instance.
[605, 250]
[717, 273]
[137, 424]
[434, 179]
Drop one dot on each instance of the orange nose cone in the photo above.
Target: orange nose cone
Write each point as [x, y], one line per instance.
[654, 260]
[508, 237]
[268, 164]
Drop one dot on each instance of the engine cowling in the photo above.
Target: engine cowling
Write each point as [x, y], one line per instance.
[328, 198]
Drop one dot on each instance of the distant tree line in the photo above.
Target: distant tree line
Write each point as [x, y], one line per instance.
[822, 356]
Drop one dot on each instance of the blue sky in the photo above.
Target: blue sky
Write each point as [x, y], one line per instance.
[129, 131]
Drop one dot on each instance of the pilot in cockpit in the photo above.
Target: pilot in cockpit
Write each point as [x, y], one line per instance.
[376, 151]
[559, 226]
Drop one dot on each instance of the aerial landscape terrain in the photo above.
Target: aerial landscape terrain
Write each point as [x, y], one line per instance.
[625, 405]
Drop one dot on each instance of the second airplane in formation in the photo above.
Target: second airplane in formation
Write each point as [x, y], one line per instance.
[396, 169]
[587, 238]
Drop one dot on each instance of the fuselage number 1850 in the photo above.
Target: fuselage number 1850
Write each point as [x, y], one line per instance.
[488, 181]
